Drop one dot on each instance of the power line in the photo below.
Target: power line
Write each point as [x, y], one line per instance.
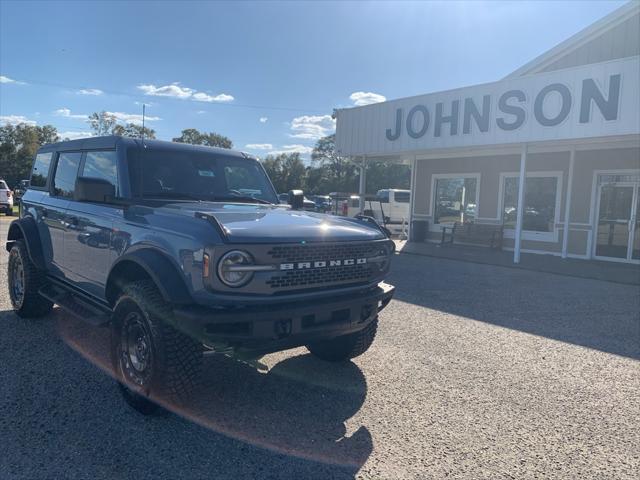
[203, 104]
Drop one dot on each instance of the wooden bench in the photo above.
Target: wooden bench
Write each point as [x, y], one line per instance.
[473, 234]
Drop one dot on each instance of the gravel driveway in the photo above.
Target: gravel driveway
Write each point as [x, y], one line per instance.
[477, 372]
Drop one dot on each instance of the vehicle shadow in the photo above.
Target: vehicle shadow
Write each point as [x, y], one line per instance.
[297, 410]
[600, 315]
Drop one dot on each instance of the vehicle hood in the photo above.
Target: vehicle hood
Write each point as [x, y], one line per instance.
[250, 223]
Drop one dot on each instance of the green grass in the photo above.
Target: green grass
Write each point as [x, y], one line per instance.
[16, 210]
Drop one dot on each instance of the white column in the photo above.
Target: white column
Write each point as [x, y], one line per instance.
[412, 189]
[520, 209]
[567, 204]
[363, 182]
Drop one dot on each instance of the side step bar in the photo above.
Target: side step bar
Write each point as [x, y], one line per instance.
[76, 304]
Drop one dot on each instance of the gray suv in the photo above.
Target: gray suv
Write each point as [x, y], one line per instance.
[182, 250]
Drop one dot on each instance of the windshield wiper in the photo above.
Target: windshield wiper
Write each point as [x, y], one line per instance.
[240, 198]
[172, 195]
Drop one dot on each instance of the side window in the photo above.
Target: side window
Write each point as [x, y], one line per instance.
[383, 196]
[402, 197]
[40, 170]
[102, 165]
[66, 173]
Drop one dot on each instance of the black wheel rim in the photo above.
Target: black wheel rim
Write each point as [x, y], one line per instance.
[16, 280]
[136, 352]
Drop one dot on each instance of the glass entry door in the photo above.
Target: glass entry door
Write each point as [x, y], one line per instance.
[618, 228]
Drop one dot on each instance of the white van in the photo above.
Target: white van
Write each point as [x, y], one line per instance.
[394, 203]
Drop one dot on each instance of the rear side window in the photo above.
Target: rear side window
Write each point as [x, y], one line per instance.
[66, 173]
[102, 165]
[401, 197]
[40, 170]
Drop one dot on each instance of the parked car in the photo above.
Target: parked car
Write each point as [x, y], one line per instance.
[19, 190]
[322, 203]
[6, 198]
[177, 261]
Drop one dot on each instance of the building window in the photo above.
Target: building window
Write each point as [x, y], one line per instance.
[456, 199]
[540, 212]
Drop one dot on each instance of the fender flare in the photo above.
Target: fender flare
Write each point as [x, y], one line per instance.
[162, 271]
[27, 229]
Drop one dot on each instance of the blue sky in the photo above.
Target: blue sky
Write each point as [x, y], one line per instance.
[267, 75]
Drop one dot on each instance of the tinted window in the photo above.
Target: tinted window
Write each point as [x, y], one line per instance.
[193, 174]
[455, 200]
[66, 173]
[539, 203]
[383, 196]
[102, 165]
[41, 169]
[401, 197]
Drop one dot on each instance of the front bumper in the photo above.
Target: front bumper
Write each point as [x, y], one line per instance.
[269, 328]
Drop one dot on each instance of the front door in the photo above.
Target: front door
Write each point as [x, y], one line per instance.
[618, 229]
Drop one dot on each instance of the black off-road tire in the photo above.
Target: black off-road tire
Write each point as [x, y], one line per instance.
[176, 359]
[20, 268]
[346, 347]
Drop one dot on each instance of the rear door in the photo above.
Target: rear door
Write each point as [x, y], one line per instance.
[54, 211]
[4, 193]
[88, 238]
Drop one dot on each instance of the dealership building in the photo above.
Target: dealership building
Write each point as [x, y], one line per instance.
[551, 152]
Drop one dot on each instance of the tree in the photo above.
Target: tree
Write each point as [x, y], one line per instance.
[341, 173]
[102, 123]
[18, 147]
[212, 139]
[134, 131]
[287, 171]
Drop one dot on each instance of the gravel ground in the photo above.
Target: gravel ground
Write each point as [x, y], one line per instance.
[477, 372]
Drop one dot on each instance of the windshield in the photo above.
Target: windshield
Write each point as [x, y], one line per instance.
[193, 175]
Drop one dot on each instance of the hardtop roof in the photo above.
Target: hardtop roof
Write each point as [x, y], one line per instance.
[114, 141]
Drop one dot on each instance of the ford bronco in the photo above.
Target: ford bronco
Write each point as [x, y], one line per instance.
[182, 250]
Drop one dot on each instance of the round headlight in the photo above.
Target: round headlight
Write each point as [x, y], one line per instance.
[231, 268]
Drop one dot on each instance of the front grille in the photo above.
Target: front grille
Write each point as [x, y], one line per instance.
[311, 252]
[314, 277]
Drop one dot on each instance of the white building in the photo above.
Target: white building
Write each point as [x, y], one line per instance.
[568, 122]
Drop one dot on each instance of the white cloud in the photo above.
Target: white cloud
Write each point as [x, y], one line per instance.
[174, 90]
[302, 149]
[74, 135]
[132, 117]
[201, 112]
[4, 79]
[15, 120]
[312, 127]
[259, 146]
[366, 98]
[90, 91]
[65, 112]
[204, 97]
[263, 119]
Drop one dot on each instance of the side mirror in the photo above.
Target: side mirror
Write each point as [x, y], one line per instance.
[296, 199]
[96, 190]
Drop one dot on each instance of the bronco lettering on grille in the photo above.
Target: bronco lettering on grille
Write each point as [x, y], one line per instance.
[323, 264]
